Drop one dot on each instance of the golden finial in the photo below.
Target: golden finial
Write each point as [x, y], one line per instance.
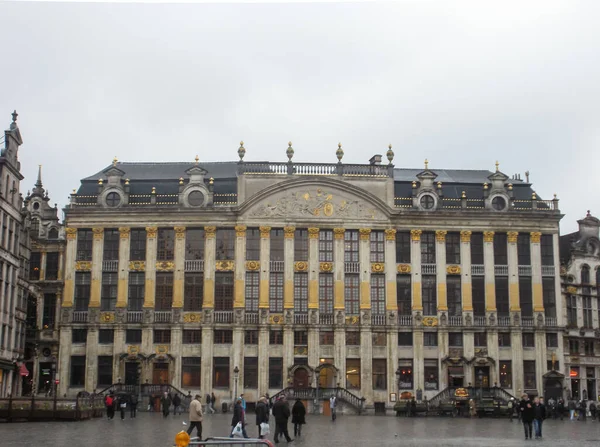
[485, 186]
[127, 181]
[211, 181]
[181, 180]
[289, 143]
[75, 192]
[497, 166]
[533, 196]
[153, 190]
[426, 164]
[196, 159]
[340, 145]
[100, 182]
[390, 146]
[555, 196]
[115, 161]
[414, 184]
[463, 195]
[241, 151]
[510, 186]
[241, 144]
[339, 153]
[439, 185]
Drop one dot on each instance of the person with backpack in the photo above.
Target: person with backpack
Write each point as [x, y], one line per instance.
[298, 417]
[122, 404]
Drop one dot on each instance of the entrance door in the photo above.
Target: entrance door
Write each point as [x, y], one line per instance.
[482, 376]
[131, 373]
[160, 373]
[301, 378]
[456, 376]
[553, 389]
[327, 377]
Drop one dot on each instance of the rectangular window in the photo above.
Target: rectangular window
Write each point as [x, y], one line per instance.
[428, 248]
[223, 336]
[353, 374]
[352, 294]
[252, 244]
[405, 339]
[586, 302]
[252, 291]
[276, 292]
[573, 347]
[505, 374]
[588, 348]
[326, 246]
[453, 248]
[377, 243]
[431, 372]
[108, 296]
[528, 340]
[478, 291]
[49, 313]
[301, 245]
[429, 293]
[549, 296]
[106, 336]
[194, 290]
[85, 240]
[190, 372]
[78, 336]
[500, 249]
[571, 311]
[137, 244]
[404, 294]
[162, 336]
[403, 247]
[547, 249]
[221, 372]
[352, 338]
[455, 339]
[351, 253]
[525, 296]
[453, 288]
[83, 282]
[251, 337]
[502, 303]
[551, 340]
[480, 339]
[523, 249]
[430, 339]
[194, 244]
[275, 337]
[529, 374]
[276, 245]
[111, 245]
[477, 249]
[379, 374]
[136, 288]
[405, 376]
[192, 336]
[165, 244]
[77, 371]
[251, 372]
[300, 338]
[105, 370]
[164, 291]
[35, 266]
[52, 260]
[301, 293]
[133, 336]
[379, 339]
[326, 293]
[378, 294]
[275, 372]
[223, 291]
[326, 338]
[225, 244]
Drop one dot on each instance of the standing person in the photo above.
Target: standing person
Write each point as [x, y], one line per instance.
[195, 415]
[165, 402]
[262, 414]
[472, 408]
[511, 408]
[176, 404]
[243, 401]
[213, 399]
[539, 416]
[527, 415]
[239, 416]
[333, 407]
[561, 408]
[151, 403]
[413, 407]
[122, 406]
[108, 403]
[593, 410]
[281, 413]
[133, 406]
[571, 406]
[298, 417]
[187, 400]
[207, 399]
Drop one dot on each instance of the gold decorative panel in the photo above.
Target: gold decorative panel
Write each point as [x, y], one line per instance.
[83, 266]
[165, 266]
[124, 232]
[265, 232]
[151, 232]
[288, 232]
[430, 321]
[365, 234]
[301, 266]
[440, 235]
[415, 235]
[572, 289]
[179, 232]
[224, 266]
[192, 317]
[71, 233]
[536, 237]
[240, 230]
[353, 320]
[107, 317]
[252, 266]
[404, 268]
[137, 266]
[512, 237]
[377, 267]
[453, 270]
[300, 350]
[465, 236]
[313, 233]
[162, 350]
[133, 350]
[98, 233]
[326, 267]
[210, 232]
[338, 233]
[276, 319]
[488, 236]
[390, 234]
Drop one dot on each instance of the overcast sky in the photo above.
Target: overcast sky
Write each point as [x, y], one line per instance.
[462, 83]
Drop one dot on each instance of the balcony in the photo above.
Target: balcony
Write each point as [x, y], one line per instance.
[551, 322]
[135, 316]
[477, 270]
[276, 266]
[428, 269]
[455, 320]
[326, 319]
[504, 321]
[405, 320]
[479, 321]
[300, 318]
[524, 270]
[251, 317]
[352, 267]
[501, 270]
[80, 316]
[110, 266]
[223, 316]
[527, 321]
[194, 265]
[548, 270]
[378, 320]
[162, 316]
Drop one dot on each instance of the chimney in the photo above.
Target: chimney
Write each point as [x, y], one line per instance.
[375, 160]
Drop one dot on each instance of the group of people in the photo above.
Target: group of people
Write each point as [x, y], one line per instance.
[121, 402]
[531, 413]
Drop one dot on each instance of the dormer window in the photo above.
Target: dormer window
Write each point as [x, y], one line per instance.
[499, 203]
[427, 202]
[113, 199]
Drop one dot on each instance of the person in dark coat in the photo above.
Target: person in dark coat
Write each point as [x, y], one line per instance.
[298, 417]
[539, 415]
[561, 408]
[527, 415]
[133, 406]
[281, 413]
[413, 407]
[122, 405]
[165, 401]
[262, 414]
[238, 416]
[176, 404]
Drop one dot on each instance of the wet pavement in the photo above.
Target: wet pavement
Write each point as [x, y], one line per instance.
[151, 430]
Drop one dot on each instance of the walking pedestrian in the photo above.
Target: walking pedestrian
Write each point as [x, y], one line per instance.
[593, 410]
[539, 416]
[213, 399]
[187, 400]
[281, 413]
[122, 406]
[472, 408]
[262, 415]
[511, 408]
[165, 402]
[571, 406]
[176, 404]
[239, 416]
[133, 406]
[298, 417]
[243, 401]
[333, 407]
[207, 400]
[527, 415]
[195, 416]
[582, 410]
[560, 408]
[151, 403]
[413, 407]
[109, 404]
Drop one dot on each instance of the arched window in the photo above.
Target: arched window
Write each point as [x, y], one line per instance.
[585, 274]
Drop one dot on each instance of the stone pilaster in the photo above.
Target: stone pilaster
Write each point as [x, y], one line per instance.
[513, 272]
[97, 254]
[265, 258]
[338, 268]
[120, 347]
[61, 263]
[339, 353]
[415, 270]
[237, 356]
[469, 353]
[43, 257]
[64, 360]
[313, 268]
[516, 341]
[489, 271]
[443, 351]
[123, 273]
[364, 249]
[561, 313]
[313, 346]
[91, 359]
[206, 360]
[210, 253]
[418, 359]
[288, 351]
[440, 269]
[465, 271]
[541, 358]
[239, 285]
[366, 364]
[150, 283]
[392, 361]
[391, 301]
[288, 272]
[493, 352]
[176, 351]
[536, 272]
[263, 360]
[179, 272]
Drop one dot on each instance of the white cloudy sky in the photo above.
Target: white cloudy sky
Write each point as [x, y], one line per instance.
[462, 83]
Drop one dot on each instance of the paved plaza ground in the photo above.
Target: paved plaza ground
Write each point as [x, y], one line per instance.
[151, 430]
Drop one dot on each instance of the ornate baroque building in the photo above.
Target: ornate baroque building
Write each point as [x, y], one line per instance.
[260, 275]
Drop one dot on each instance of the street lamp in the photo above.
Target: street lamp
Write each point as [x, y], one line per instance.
[236, 375]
